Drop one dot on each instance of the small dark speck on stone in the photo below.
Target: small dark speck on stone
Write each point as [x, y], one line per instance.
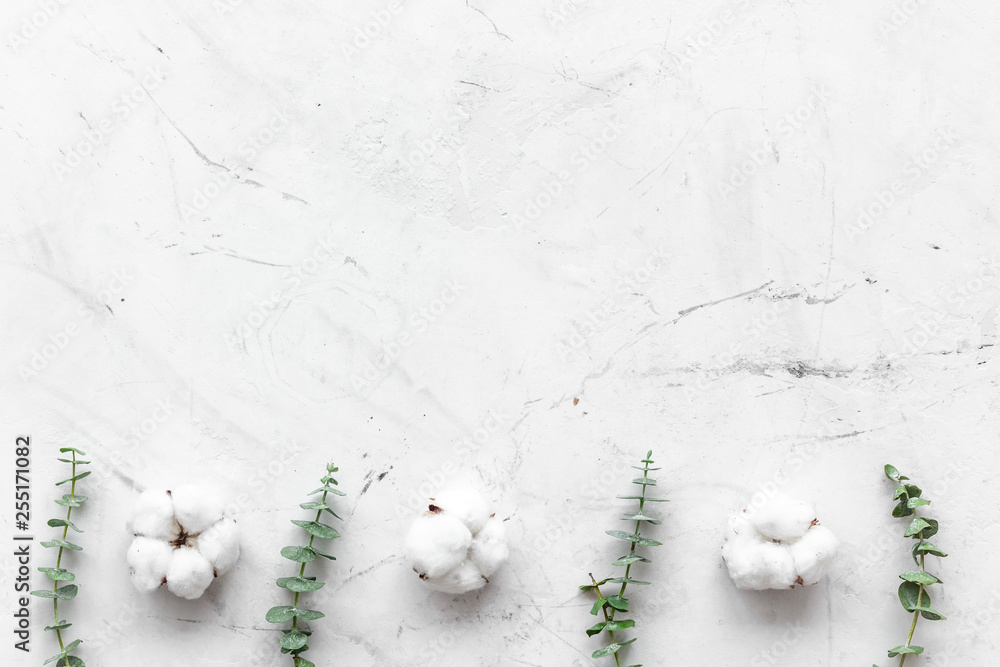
[382, 475]
[936, 247]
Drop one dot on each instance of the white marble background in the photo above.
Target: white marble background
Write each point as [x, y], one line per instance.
[242, 238]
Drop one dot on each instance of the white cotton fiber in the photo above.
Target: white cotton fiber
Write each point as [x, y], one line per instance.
[457, 545]
[489, 547]
[782, 517]
[461, 579]
[181, 534]
[757, 559]
[813, 554]
[148, 561]
[153, 515]
[437, 543]
[189, 573]
[466, 504]
[196, 508]
[220, 544]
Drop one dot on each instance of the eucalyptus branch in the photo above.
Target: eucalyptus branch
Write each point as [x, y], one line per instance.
[912, 592]
[613, 604]
[58, 573]
[294, 640]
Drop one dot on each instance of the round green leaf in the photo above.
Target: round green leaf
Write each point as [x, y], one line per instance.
[299, 554]
[919, 577]
[293, 640]
[57, 574]
[73, 479]
[309, 614]
[299, 584]
[905, 649]
[279, 614]
[62, 626]
[62, 543]
[320, 530]
[611, 649]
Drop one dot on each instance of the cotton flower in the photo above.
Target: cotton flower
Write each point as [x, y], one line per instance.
[778, 546]
[182, 539]
[457, 545]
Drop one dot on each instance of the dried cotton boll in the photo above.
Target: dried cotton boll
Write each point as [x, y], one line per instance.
[813, 554]
[465, 504]
[153, 515]
[148, 561]
[758, 559]
[220, 544]
[189, 573]
[196, 507]
[463, 578]
[489, 547]
[436, 544]
[783, 518]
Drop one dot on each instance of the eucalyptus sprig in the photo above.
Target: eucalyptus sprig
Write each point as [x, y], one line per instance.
[611, 605]
[293, 640]
[912, 592]
[58, 573]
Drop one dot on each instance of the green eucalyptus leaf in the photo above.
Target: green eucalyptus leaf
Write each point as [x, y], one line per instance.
[891, 472]
[596, 629]
[901, 510]
[299, 554]
[932, 531]
[611, 649]
[928, 549]
[642, 517]
[905, 649]
[49, 595]
[309, 614]
[299, 584]
[314, 506]
[631, 558]
[61, 626]
[932, 615]
[913, 490]
[626, 580]
[75, 478]
[63, 450]
[598, 606]
[318, 529]
[918, 524]
[59, 574]
[71, 501]
[56, 523]
[914, 503]
[913, 597]
[618, 602]
[302, 662]
[900, 492]
[79, 462]
[328, 489]
[644, 482]
[615, 626]
[920, 577]
[281, 614]
[67, 592]
[293, 639]
[72, 645]
[648, 500]
[630, 537]
[320, 553]
[61, 543]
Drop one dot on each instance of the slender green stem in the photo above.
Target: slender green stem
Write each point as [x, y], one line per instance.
[916, 614]
[55, 583]
[302, 569]
[607, 619]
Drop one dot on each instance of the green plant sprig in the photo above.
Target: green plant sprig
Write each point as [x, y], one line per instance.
[912, 592]
[294, 640]
[611, 605]
[58, 573]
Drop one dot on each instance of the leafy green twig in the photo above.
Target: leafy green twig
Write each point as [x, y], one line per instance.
[293, 641]
[912, 592]
[611, 605]
[58, 573]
